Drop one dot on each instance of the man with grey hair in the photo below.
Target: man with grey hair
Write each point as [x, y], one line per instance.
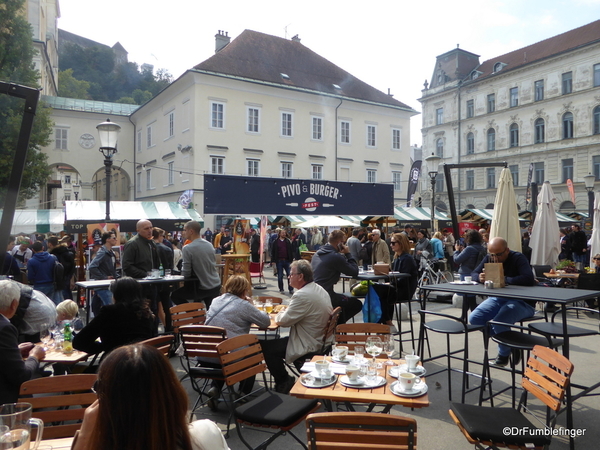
[14, 370]
[381, 251]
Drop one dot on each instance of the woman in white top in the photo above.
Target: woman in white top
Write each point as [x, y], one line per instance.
[142, 406]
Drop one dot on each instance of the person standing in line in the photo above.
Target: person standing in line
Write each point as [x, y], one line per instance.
[11, 266]
[225, 243]
[103, 267]
[217, 239]
[282, 255]
[354, 244]
[40, 272]
[381, 252]
[208, 235]
[254, 245]
[578, 241]
[67, 259]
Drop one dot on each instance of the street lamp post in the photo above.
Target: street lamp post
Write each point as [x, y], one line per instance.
[589, 181]
[76, 188]
[433, 162]
[109, 134]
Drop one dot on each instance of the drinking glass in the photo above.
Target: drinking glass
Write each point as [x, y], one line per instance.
[389, 348]
[359, 353]
[45, 335]
[374, 346]
[268, 306]
[372, 373]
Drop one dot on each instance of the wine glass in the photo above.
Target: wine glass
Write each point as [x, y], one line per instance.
[374, 346]
[389, 348]
[45, 335]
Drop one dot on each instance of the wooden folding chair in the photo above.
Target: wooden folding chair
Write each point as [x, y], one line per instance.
[59, 402]
[347, 430]
[546, 377]
[187, 314]
[241, 358]
[353, 334]
[328, 332]
[163, 343]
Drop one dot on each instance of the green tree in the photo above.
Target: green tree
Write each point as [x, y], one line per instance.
[71, 87]
[16, 55]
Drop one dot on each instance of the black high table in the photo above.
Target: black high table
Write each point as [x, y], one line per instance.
[559, 296]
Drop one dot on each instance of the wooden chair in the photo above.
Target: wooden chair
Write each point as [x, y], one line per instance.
[187, 314]
[163, 343]
[256, 271]
[241, 357]
[201, 341]
[546, 377]
[353, 334]
[328, 332]
[345, 430]
[59, 402]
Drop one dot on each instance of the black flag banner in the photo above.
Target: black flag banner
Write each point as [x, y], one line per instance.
[415, 173]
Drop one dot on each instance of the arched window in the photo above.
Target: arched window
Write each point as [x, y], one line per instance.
[439, 146]
[491, 140]
[498, 67]
[597, 120]
[540, 131]
[440, 205]
[489, 206]
[470, 206]
[567, 121]
[514, 135]
[567, 206]
[470, 144]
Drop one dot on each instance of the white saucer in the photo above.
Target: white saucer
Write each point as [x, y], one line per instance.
[310, 381]
[346, 360]
[464, 282]
[380, 381]
[420, 389]
[395, 370]
[358, 382]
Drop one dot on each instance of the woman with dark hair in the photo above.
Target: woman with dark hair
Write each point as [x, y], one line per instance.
[468, 258]
[142, 406]
[126, 321]
[423, 247]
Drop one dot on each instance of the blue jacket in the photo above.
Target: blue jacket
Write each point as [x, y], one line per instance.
[328, 263]
[40, 269]
[102, 265]
[467, 259]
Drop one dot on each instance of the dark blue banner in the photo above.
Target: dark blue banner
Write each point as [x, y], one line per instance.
[413, 182]
[236, 195]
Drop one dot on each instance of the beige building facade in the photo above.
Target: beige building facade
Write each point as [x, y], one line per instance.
[537, 107]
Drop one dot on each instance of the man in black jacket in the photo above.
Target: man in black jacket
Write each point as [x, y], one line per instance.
[328, 263]
[578, 241]
[67, 259]
[102, 267]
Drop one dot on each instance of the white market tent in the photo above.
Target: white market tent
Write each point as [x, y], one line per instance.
[327, 221]
[30, 221]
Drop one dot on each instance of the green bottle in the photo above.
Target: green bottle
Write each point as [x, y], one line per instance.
[161, 270]
[68, 339]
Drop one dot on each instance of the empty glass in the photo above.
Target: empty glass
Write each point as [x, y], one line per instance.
[389, 348]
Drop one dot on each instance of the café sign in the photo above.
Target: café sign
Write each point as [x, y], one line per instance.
[226, 194]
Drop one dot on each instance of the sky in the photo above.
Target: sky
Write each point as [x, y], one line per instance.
[389, 44]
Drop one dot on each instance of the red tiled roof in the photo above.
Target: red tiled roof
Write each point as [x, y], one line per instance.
[570, 40]
[263, 57]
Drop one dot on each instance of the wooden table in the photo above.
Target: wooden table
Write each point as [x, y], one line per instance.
[56, 444]
[377, 396]
[55, 356]
[370, 276]
[573, 276]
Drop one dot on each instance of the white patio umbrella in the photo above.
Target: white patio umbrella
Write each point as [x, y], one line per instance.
[326, 221]
[505, 221]
[545, 238]
[596, 231]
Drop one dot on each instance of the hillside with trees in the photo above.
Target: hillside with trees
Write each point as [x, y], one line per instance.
[92, 73]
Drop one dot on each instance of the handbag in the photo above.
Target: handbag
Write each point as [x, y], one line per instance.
[372, 307]
[495, 272]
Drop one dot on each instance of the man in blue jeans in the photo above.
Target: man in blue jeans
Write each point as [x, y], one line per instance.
[517, 271]
[103, 267]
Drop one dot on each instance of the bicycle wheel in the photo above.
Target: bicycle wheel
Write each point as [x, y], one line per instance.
[446, 277]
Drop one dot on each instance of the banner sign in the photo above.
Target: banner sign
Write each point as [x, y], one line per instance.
[413, 181]
[186, 198]
[571, 189]
[238, 195]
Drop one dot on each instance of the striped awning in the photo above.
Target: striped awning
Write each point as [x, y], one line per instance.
[29, 221]
[562, 218]
[167, 215]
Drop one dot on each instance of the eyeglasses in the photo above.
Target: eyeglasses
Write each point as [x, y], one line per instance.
[596, 259]
[393, 242]
[497, 255]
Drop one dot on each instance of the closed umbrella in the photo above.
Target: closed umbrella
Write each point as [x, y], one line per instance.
[545, 238]
[596, 231]
[505, 221]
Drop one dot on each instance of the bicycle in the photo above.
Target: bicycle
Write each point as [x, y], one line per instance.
[431, 276]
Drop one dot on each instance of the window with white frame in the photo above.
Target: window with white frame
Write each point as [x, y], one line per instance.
[567, 83]
[538, 173]
[371, 135]
[539, 131]
[596, 167]
[596, 75]
[138, 141]
[397, 181]
[596, 120]
[396, 142]
[286, 169]
[439, 147]
[138, 182]
[317, 128]
[67, 179]
[344, 132]
[514, 172]
[439, 182]
[470, 108]
[149, 179]
[514, 97]
[217, 115]
[371, 175]
[491, 177]
[286, 124]
[567, 121]
[252, 167]
[470, 180]
[514, 135]
[567, 169]
[149, 142]
[171, 119]
[316, 171]
[67, 197]
[253, 120]
[170, 173]
[491, 140]
[217, 165]
[491, 103]
[439, 116]
[539, 90]
[60, 138]
[470, 144]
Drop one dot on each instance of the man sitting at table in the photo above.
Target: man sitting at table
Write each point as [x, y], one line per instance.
[306, 315]
[517, 271]
[14, 370]
[328, 263]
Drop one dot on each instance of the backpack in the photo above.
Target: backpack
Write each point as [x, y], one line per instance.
[363, 254]
[59, 276]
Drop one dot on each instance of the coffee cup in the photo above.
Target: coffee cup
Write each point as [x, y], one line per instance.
[342, 352]
[322, 366]
[411, 362]
[407, 380]
[15, 423]
[352, 372]
[469, 279]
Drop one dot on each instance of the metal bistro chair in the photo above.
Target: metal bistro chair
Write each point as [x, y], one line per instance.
[256, 271]
[241, 357]
[60, 402]
[163, 343]
[329, 431]
[546, 377]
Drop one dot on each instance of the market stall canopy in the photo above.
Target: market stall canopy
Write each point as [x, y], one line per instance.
[29, 221]
[327, 221]
[563, 219]
[169, 216]
[418, 217]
